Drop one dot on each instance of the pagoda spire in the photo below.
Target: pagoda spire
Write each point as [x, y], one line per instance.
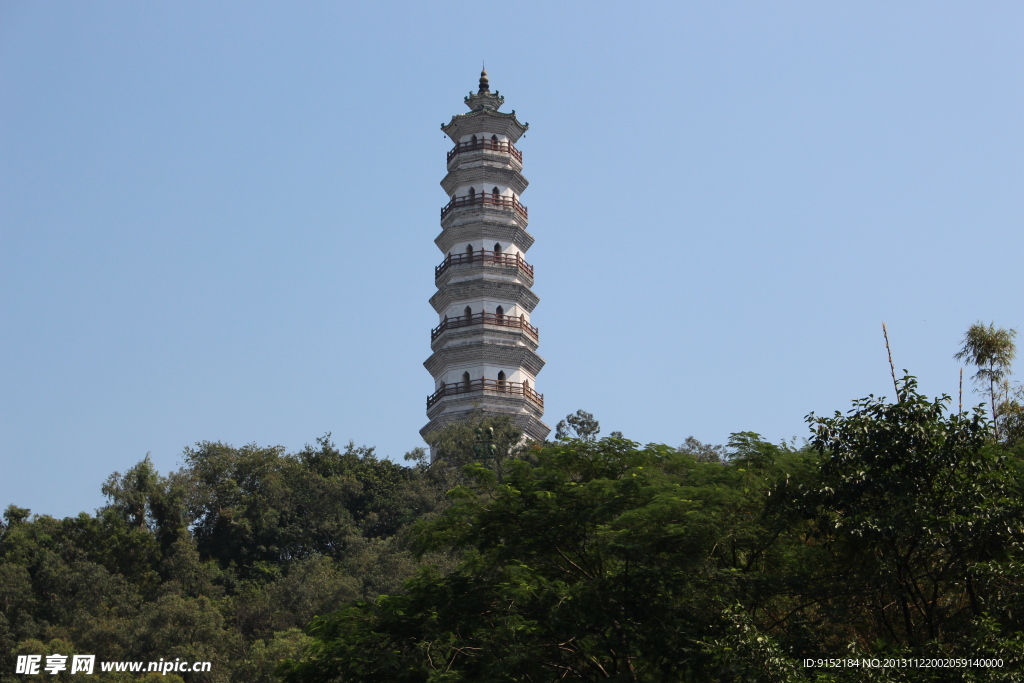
[483, 98]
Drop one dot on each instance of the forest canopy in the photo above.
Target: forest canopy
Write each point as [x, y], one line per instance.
[894, 532]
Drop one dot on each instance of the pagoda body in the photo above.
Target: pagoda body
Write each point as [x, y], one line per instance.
[484, 359]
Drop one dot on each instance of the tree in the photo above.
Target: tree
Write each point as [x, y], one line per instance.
[895, 532]
[595, 560]
[459, 444]
[580, 425]
[1011, 416]
[704, 452]
[917, 515]
[223, 560]
[991, 350]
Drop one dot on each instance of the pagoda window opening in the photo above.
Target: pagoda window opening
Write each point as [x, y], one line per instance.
[468, 312]
[497, 192]
[501, 380]
[497, 247]
[465, 381]
[469, 253]
[499, 313]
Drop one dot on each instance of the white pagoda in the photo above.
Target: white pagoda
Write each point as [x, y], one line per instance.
[484, 358]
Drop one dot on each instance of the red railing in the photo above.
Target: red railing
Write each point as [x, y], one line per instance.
[496, 385]
[518, 321]
[485, 199]
[485, 257]
[492, 145]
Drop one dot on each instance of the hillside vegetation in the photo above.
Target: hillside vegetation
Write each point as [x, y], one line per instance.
[896, 531]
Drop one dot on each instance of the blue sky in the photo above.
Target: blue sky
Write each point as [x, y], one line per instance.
[217, 220]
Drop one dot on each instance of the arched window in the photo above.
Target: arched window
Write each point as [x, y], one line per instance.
[468, 312]
[473, 139]
[465, 381]
[494, 138]
[496, 192]
[501, 381]
[497, 247]
[469, 253]
[472, 193]
[499, 313]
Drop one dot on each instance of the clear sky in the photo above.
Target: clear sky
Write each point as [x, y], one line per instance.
[217, 219]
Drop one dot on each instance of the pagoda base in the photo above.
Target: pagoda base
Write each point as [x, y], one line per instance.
[533, 428]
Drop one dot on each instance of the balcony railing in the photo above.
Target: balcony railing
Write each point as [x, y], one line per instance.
[491, 145]
[496, 385]
[518, 321]
[485, 199]
[485, 257]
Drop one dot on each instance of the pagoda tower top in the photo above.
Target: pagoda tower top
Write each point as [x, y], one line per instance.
[484, 98]
[484, 115]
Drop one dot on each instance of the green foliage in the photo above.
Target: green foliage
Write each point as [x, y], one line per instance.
[991, 350]
[223, 561]
[895, 531]
[923, 514]
[702, 451]
[457, 444]
[580, 425]
[1011, 416]
[598, 560]
[257, 505]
